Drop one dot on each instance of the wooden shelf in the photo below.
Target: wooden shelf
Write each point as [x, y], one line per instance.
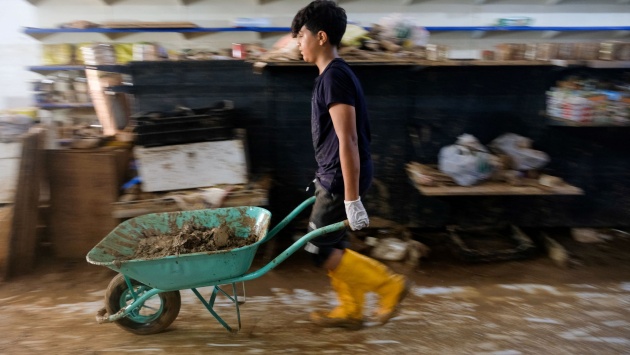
[124, 69]
[421, 63]
[256, 196]
[598, 64]
[562, 122]
[491, 188]
[442, 185]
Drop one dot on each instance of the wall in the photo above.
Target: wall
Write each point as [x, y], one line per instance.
[18, 50]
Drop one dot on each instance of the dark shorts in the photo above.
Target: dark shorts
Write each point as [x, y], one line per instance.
[328, 209]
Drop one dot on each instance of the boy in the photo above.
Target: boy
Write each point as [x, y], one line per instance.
[341, 138]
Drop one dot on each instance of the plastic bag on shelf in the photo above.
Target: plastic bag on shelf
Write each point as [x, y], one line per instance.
[354, 36]
[467, 162]
[402, 30]
[518, 148]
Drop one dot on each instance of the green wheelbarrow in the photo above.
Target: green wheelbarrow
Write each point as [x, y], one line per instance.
[144, 297]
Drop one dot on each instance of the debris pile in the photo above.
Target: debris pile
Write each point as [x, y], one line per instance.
[189, 239]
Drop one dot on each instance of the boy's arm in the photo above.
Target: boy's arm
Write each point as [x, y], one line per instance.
[344, 119]
[345, 123]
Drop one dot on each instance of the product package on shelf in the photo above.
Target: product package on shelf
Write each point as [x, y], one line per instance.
[58, 54]
[588, 101]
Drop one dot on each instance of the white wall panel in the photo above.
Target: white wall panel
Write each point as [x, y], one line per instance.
[16, 49]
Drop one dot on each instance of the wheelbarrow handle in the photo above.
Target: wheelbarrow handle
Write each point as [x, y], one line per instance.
[309, 201]
[288, 252]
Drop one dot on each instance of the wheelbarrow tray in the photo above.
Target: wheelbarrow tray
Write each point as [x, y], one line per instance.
[184, 271]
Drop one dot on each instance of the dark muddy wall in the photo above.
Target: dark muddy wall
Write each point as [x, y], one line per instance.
[414, 112]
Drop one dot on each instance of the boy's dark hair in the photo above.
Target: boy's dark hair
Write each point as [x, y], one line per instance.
[322, 15]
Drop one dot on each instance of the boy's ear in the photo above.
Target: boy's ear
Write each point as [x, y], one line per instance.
[322, 37]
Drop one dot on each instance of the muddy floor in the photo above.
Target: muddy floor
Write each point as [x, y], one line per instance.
[530, 306]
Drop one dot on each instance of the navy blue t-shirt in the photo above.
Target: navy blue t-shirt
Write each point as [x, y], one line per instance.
[338, 84]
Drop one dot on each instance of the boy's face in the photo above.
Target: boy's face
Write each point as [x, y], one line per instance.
[309, 45]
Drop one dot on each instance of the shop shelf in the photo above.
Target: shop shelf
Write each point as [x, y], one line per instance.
[42, 31]
[562, 122]
[49, 68]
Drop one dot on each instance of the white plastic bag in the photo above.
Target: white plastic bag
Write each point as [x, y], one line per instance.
[467, 161]
[404, 31]
[518, 148]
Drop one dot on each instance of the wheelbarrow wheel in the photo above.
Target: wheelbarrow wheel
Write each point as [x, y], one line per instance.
[153, 316]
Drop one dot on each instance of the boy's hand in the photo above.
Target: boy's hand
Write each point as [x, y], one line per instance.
[357, 216]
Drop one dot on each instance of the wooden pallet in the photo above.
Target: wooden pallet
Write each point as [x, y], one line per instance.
[256, 194]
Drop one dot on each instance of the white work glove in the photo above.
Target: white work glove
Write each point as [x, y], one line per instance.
[357, 217]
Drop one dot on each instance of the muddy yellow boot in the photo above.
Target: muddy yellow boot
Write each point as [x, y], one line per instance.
[368, 275]
[348, 314]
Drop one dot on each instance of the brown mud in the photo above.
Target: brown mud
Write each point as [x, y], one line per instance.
[189, 239]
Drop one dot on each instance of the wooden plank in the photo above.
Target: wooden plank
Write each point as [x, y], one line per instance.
[607, 64]
[108, 107]
[23, 240]
[424, 62]
[83, 186]
[505, 63]
[558, 121]
[241, 197]
[431, 182]
[491, 188]
[6, 222]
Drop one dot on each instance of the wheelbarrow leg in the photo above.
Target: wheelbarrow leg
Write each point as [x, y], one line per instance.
[210, 304]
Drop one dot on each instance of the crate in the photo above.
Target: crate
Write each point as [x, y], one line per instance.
[185, 125]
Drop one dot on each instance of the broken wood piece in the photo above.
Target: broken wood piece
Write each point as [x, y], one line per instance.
[23, 235]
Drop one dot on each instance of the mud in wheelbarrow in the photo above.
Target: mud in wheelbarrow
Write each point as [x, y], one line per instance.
[144, 298]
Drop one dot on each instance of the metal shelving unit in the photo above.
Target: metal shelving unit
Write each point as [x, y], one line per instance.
[53, 68]
[117, 68]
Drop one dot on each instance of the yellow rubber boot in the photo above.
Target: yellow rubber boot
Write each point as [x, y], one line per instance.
[368, 275]
[348, 314]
